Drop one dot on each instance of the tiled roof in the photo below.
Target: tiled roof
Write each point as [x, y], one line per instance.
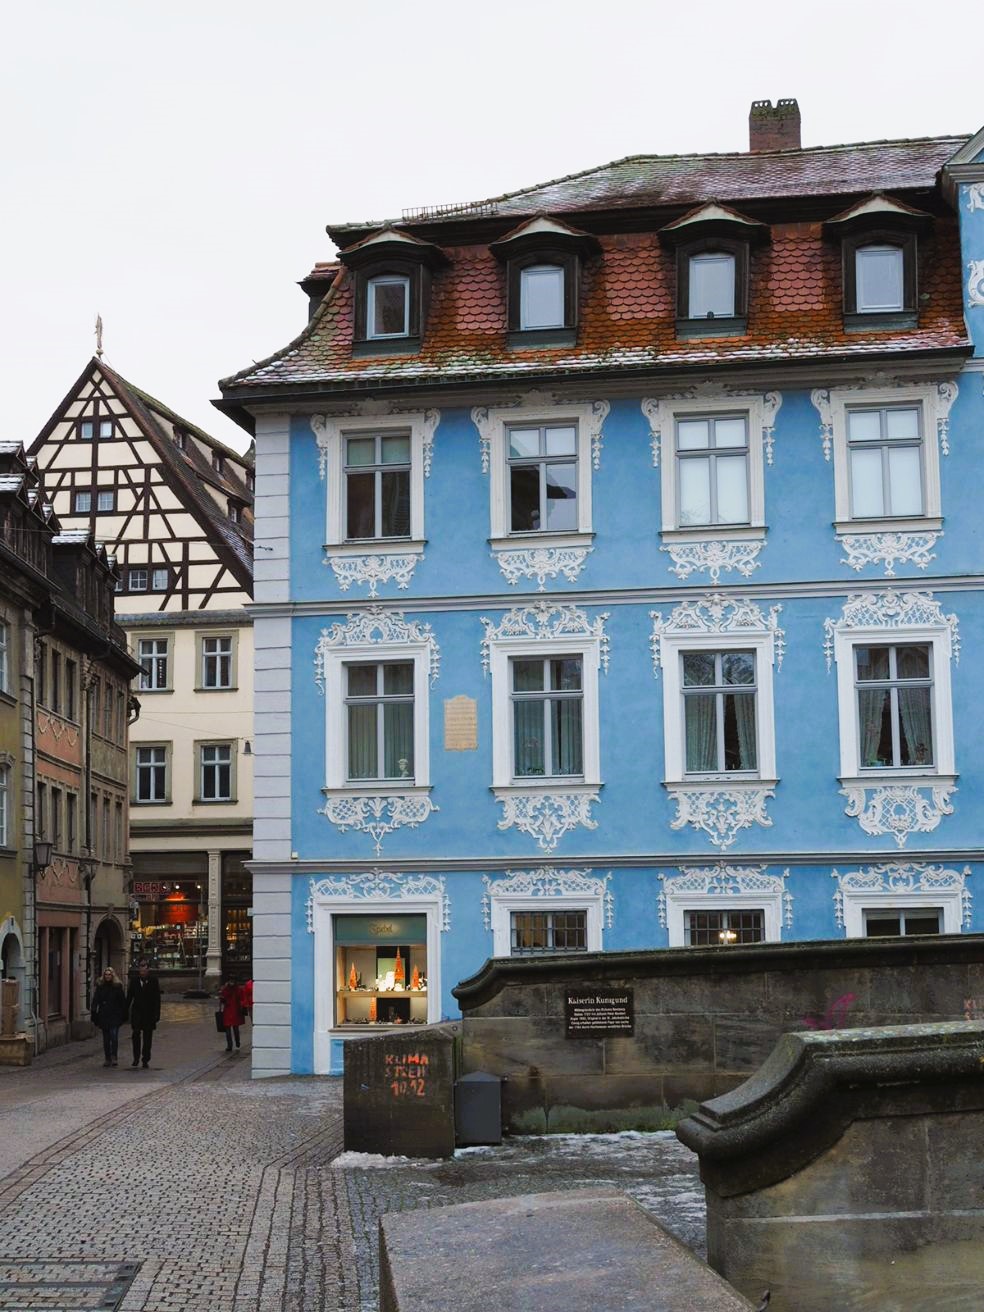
[642, 181]
[627, 317]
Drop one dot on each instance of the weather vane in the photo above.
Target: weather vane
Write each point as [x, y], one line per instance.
[99, 335]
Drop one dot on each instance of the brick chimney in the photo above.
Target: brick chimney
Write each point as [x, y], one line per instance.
[773, 129]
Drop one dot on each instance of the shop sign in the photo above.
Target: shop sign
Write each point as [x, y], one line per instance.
[150, 890]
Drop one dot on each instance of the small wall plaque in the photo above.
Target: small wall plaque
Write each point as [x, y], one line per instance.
[460, 724]
[599, 1013]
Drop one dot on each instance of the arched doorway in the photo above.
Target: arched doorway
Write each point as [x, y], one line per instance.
[108, 949]
[11, 957]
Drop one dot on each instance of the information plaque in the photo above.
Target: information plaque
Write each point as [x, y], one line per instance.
[599, 1013]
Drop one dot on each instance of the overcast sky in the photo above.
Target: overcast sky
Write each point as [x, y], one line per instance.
[172, 163]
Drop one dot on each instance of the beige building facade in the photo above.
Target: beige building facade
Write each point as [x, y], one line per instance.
[174, 506]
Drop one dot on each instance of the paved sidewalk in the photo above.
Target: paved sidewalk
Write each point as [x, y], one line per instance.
[192, 1188]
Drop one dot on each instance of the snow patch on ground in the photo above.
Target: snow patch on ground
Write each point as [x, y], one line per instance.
[372, 1162]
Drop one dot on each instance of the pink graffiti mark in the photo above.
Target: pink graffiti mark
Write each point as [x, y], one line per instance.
[835, 1017]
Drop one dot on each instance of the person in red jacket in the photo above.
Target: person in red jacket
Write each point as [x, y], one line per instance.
[246, 997]
[232, 1011]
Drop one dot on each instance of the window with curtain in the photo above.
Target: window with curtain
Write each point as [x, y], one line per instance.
[719, 710]
[379, 715]
[712, 285]
[4, 661]
[216, 662]
[4, 805]
[547, 699]
[885, 461]
[536, 932]
[152, 653]
[712, 470]
[377, 486]
[388, 306]
[723, 928]
[543, 479]
[894, 688]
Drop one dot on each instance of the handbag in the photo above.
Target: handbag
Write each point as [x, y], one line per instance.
[218, 1021]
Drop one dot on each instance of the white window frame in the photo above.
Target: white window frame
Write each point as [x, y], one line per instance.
[754, 411]
[858, 901]
[926, 400]
[203, 656]
[678, 903]
[4, 656]
[504, 904]
[705, 257]
[323, 910]
[336, 720]
[878, 246]
[137, 569]
[136, 799]
[77, 497]
[332, 442]
[200, 766]
[371, 285]
[5, 777]
[101, 493]
[523, 276]
[168, 654]
[156, 571]
[500, 420]
[939, 639]
[672, 647]
[501, 652]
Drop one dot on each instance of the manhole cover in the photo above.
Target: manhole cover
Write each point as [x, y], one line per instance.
[64, 1286]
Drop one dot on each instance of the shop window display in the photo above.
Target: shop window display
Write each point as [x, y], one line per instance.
[380, 970]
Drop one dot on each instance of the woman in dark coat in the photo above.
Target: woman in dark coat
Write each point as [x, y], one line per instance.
[108, 1011]
[230, 1000]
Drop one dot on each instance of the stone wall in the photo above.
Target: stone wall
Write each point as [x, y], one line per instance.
[704, 1018]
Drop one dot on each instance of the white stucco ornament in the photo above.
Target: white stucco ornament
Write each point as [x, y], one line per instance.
[372, 570]
[903, 878]
[888, 550]
[890, 610]
[376, 626]
[542, 621]
[720, 813]
[975, 282]
[975, 197]
[713, 557]
[546, 883]
[547, 816]
[725, 881]
[898, 809]
[377, 814]
[714, 614]
[661, 411]
[379, 886]
[541, 563]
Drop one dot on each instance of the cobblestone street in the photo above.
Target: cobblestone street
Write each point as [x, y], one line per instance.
[191, 1188]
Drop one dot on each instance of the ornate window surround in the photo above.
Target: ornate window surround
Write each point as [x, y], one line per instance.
[906, 885]
[378, 892]
[373, 561]
[711, 399]
[719, 804]
[893, 617]
[535, 890]
[890, 801]
[539, 555]
[546, 809]
[934, 400]
[376, 635]
[724, 887]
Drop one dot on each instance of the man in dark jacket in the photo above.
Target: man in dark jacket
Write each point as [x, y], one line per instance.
[144, 1004]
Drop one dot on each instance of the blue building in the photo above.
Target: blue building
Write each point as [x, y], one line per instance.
[620, 576]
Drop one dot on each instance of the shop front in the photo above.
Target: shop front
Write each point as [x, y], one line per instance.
[172, 924]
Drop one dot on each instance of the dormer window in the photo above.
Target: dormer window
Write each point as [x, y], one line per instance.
[541, 296]
[712, 245]
[388, 306]
[217, 462]
[391, 282]
[879, 239]
[543, 260]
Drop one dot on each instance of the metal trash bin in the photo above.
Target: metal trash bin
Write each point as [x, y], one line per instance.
[478, 1109]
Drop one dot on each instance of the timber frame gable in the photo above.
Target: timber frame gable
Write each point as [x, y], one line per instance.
[169, 501]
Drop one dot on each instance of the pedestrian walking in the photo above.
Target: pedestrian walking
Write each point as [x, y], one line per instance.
[246, 994]
[230, 1000]
[144, 1005]
[108, 1011]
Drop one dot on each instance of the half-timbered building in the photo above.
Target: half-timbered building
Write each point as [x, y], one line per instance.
[175, 508]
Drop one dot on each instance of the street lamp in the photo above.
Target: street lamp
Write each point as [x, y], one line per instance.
[42, 856]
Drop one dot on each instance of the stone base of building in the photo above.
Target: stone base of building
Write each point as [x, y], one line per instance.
[16, 1050]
